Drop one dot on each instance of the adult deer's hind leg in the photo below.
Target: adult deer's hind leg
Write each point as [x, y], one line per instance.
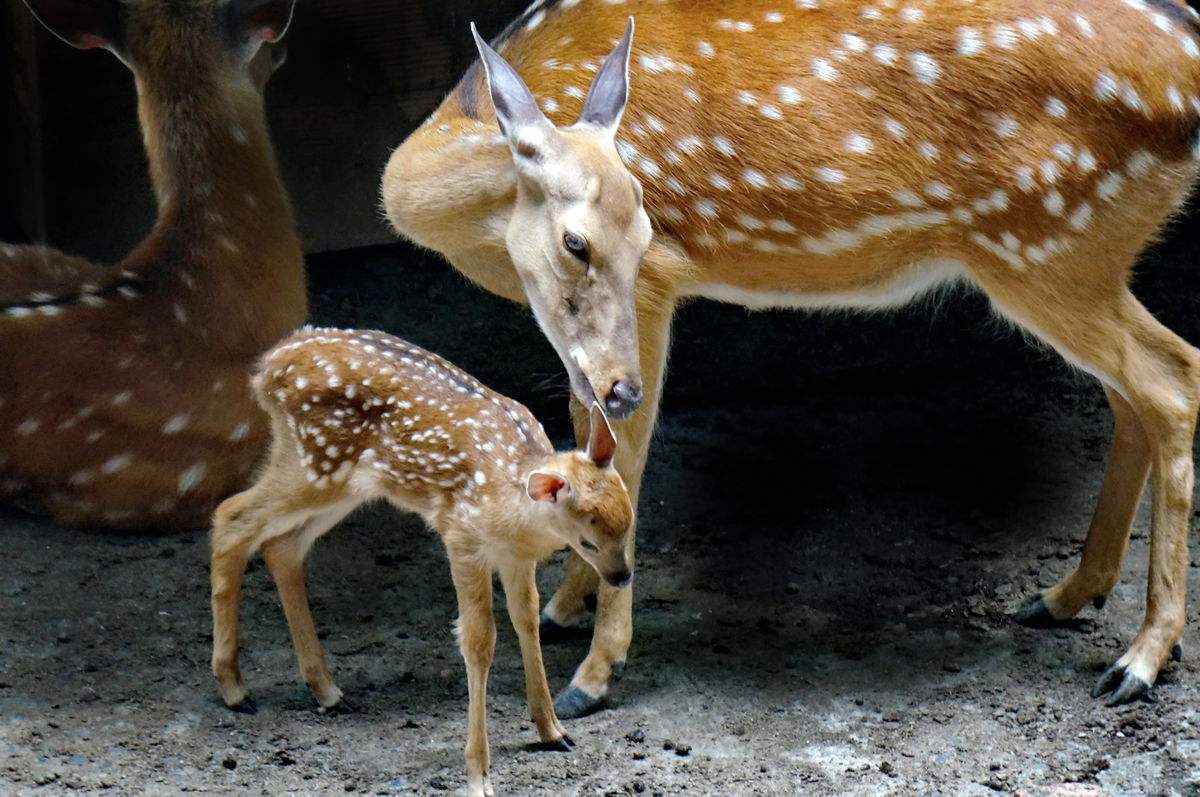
[1114, 337]
[1104, 549]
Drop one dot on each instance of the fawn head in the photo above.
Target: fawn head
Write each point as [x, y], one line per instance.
[578, 231]
[593, 513]
[166, 36]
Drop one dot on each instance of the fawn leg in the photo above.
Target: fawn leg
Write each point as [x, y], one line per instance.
[521, 597]
[285, 559]
[477, 640]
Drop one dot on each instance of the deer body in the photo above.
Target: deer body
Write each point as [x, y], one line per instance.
[123, 400]
[854, 154]
[358, 416]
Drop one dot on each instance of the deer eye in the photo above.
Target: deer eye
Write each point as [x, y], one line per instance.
[588, 545]
[577, 245]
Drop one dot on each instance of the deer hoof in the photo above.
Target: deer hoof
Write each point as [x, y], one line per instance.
[245, 706]
[1177, 652]
[618, 670]
[573, 703]
[338, 709]
[1034, 613]
[563, 744]
[1099, 601]
[1121, 686]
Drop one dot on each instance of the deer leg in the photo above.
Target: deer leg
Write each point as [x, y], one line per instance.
[235, 526]
[477, 640]
[1158, 374]
[613, 629]
[1107, 537]
[285, 559]
[521, 597]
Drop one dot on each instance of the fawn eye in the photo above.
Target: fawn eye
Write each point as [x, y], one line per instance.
[577, 245]
[588, 545]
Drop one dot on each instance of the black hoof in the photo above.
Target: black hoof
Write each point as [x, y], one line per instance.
[618, 670]
[551, 631]
[247, 706]
[1099, 601]
[573, 703]
[1121, 686]
[563, 744]
[339, 709]
[1177, 652]
[1035, 614]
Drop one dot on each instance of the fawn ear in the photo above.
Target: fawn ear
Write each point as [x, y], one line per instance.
[86, 24]
[546, 486]
[606, 99]
[602, 445]
[255, 22]
[521, 120]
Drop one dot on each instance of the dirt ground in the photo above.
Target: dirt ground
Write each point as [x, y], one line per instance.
[839, 515]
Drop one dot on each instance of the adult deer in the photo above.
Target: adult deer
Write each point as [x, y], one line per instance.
[123, 393]
[822, 153]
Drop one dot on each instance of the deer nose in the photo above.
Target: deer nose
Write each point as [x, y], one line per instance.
[624, 397]
[619, 579]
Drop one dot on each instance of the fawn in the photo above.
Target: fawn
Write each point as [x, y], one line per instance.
[138, 369]
[357, 416]
[836, 153]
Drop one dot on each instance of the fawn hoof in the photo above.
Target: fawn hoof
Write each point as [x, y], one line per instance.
[1034, 613]
[244, 706]
[550, 630]
[563, 744]
[1099, 601]
[338, 709]
[1177, 652]
[573, 703]
[1121, 686]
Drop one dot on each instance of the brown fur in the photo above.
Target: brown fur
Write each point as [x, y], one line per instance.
[358, 416]
[854, 154]
[123, 398]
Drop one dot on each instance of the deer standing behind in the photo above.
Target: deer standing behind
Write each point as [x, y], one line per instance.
[837, 153]
[358, 416]
[123, 396]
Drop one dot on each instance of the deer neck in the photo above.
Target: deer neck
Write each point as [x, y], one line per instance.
[451, 187]
[224, 217]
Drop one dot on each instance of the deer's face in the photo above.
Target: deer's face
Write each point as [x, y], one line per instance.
[578, 231]
[577, 237]
[591, 508]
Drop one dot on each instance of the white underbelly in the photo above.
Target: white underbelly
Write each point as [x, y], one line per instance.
[920, 278]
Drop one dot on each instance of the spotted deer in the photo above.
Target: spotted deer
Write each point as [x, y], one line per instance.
[358, 416]
[829, 153]
[123, 396]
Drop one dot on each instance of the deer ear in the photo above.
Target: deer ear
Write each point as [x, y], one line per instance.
[86, 24]
[255, 22]
[546, 486]
[606, 99]
[521, 120]
[602, 445]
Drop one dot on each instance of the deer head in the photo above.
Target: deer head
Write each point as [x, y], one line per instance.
[593, 513]
[139, 33]
[578, 231]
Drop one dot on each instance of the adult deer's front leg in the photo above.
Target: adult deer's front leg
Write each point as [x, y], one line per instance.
[614, 607]
[477, 641]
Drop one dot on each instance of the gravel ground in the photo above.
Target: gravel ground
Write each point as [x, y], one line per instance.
[839, 515]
